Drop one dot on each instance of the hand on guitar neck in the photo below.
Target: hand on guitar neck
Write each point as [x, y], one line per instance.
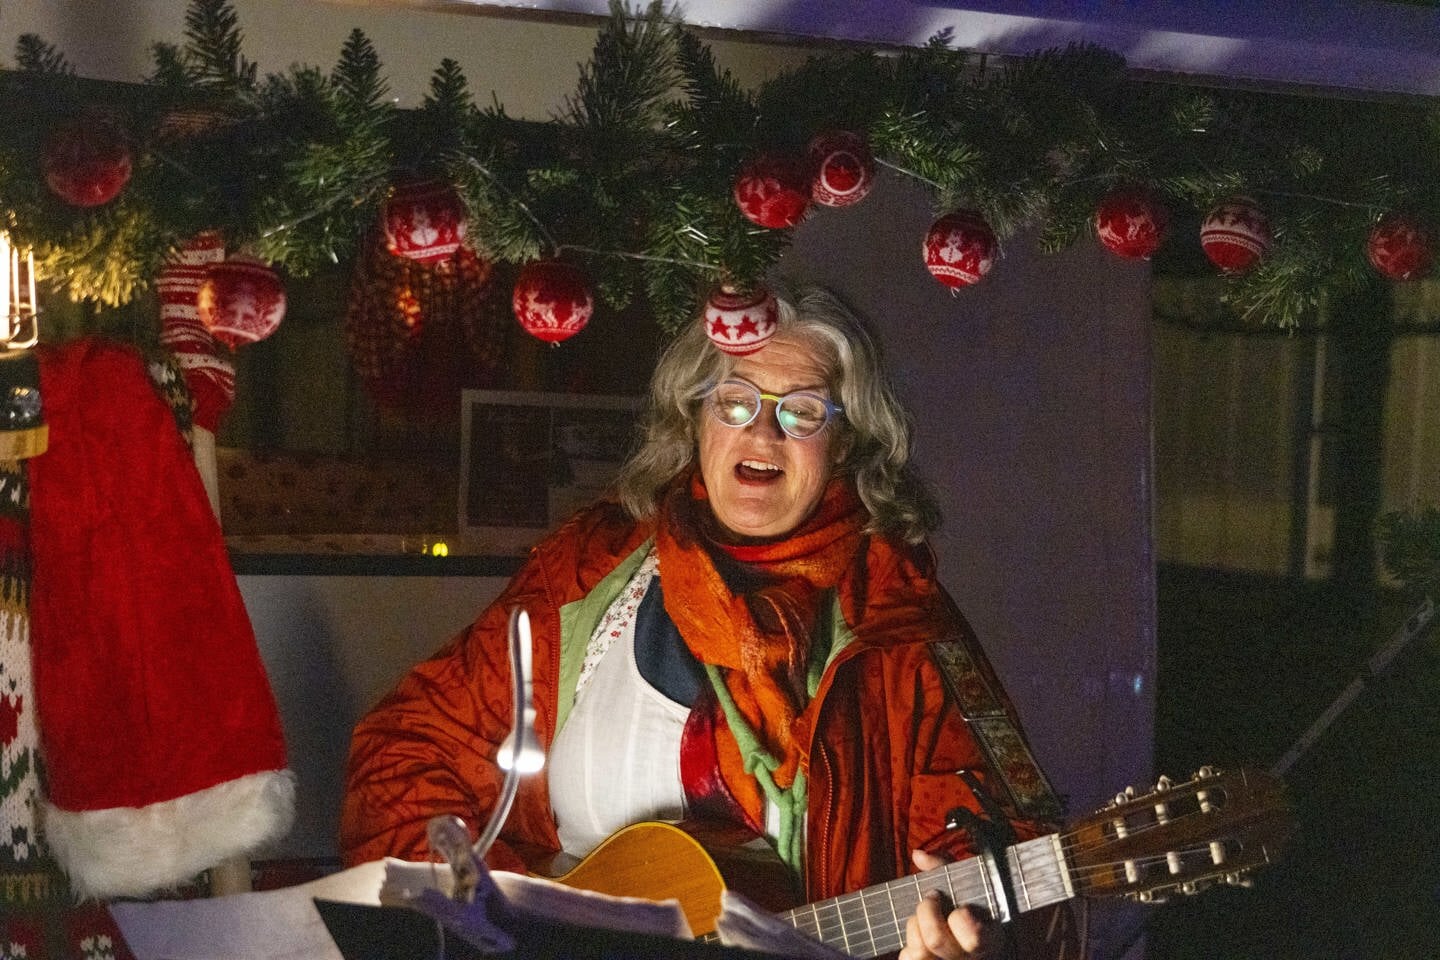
[964, 932]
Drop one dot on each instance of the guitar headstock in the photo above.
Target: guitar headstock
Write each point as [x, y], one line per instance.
[1217, 827]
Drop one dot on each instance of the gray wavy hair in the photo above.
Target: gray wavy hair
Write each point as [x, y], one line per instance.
[877, 427]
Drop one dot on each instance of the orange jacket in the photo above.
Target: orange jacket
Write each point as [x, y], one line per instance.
[886, 742]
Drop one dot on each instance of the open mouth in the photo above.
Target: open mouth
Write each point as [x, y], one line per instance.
[757, 471]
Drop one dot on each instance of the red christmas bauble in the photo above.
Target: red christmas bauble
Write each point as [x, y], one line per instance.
[86, 161]
[424, 220]
[960, 248]
[844, 168]
[1400, 247]
[773, 190]
[1131, 223]
[1236, 234]
[740, 323]
[240, 301]
[552, 300]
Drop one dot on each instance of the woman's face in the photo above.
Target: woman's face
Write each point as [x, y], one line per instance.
[762, 482]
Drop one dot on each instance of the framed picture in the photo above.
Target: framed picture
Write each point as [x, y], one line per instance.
[529, 460]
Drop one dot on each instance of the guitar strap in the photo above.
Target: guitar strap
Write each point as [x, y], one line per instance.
[975, 691]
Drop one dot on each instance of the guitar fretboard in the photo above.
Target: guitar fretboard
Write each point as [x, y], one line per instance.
[871, 921]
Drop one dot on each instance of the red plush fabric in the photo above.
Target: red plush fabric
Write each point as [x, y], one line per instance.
[148, 681]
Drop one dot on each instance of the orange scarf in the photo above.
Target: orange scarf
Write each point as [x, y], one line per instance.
[751, 609]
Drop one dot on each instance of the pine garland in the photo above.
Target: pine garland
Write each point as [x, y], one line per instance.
[632, 180]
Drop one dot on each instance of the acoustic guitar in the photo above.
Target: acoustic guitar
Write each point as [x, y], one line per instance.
[1217, 827]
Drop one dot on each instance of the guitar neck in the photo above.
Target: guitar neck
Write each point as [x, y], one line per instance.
[871, 921]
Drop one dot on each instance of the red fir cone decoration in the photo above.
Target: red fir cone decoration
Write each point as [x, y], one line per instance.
[1236, 235]
[844, 168]
[1400, 247]
[86, 161]
[740, 323]
[552, 300]
[1131, 223]
[424, 220]
[773, 190]
[241, 301]
[209, 376]
[960, 248]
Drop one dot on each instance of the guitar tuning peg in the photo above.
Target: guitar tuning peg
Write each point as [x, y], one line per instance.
[1163, 784]
[1206, 772]
[1239, 880]
[1125, 797]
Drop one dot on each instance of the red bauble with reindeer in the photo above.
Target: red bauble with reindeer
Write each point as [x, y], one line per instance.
[1400, 247]
[1236, 234]
[1131, 223]
[241, 301]
[740, 323]
[843, 168]
[960, 248]
[424, 220]
[773, 190]
[552, 300]
[86, 161]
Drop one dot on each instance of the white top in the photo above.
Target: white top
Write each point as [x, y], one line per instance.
[617, 759]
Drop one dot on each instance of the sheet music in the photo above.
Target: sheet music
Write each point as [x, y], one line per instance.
[284, 924]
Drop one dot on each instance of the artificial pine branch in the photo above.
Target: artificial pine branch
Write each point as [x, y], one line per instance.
[34, 55]
[213, 47]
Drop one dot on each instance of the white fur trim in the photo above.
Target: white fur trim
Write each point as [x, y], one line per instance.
[134, 851]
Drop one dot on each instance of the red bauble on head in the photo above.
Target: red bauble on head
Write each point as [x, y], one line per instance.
[1131, 223]
[773, 190]
[1400, 247]
[960, 248]
[86, 161]
[1236, 234]
[843, 168]
[424, 220]
[241, 301]
[552, 300]
[740, 323]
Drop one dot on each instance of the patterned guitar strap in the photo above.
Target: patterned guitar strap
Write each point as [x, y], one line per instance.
[975, 690]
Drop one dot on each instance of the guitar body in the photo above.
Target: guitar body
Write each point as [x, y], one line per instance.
[692, 861]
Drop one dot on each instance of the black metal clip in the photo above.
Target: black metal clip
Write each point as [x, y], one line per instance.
[994, 836]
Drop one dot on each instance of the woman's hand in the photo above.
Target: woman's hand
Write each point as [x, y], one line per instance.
[966, 933]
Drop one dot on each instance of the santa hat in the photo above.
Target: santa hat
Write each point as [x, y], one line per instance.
[159, 733]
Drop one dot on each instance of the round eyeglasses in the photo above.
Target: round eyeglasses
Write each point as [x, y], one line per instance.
[801, 415]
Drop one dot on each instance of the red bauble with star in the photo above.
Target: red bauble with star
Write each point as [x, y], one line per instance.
[773, 190]
[1131, 223]
[1400, 247]
[844, 168]
[1236, 235]
[740, 323]
[241, 301]
[552, 300]
[960, 248]
[86, 161]
[424, 220]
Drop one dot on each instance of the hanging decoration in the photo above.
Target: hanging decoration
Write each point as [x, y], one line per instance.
[209, 376]
[1131, 223]
[773, 190]
[424, 220]
[740, 323]
[844, 168]
[552, 300]
[1236, 234]
[240, 301]
[1400, 247]
[87, 160]
[960, 248]
[631, 180]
